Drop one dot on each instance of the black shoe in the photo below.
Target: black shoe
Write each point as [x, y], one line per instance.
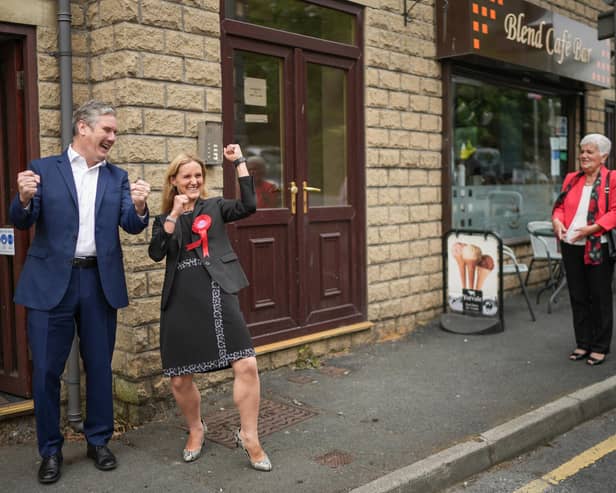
[575, 356]
[49, 472]
[103, 457]
[592, 361]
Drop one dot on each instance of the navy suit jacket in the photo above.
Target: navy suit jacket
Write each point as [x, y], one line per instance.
[54, 210]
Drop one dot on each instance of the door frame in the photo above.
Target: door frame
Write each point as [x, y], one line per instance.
[22, 150]
[27, 36]
[241, 35]
[609, 126]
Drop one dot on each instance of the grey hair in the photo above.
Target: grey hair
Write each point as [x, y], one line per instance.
[89, 112]
[600, 141]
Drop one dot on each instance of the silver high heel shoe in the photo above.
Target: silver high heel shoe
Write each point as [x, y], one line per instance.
[193, 455]
[261, 465]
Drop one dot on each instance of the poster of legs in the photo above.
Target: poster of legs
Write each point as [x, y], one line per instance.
[473, 277]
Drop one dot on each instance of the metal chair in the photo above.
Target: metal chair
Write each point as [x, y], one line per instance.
[514, 267]
[545, 249]
[505, 211]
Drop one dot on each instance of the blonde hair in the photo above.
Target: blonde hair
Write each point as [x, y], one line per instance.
[169, 190]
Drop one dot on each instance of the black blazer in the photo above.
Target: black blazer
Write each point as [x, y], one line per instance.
[222, 263]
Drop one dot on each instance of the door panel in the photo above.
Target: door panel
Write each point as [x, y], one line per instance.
[267, 258]
[329, 266]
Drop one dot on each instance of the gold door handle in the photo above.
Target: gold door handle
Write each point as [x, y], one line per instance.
[293, 188]
[307, 189]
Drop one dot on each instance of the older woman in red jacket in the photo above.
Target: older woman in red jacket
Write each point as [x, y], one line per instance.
[580, 220]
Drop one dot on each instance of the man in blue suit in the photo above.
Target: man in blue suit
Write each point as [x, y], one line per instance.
[74, 276]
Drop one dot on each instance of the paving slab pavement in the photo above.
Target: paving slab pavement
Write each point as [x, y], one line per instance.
[416, 414]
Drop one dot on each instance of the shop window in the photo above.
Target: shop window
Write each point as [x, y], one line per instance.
[295, 16]
[509, 156]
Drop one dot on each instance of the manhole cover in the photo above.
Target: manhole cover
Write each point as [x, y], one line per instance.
[334, 459]
[273, 416]
[333, 371]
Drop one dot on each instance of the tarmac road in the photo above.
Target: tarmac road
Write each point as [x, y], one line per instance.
[391, 410]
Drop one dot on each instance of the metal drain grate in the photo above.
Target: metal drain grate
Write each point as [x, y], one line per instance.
[334, 459]
[273, 416]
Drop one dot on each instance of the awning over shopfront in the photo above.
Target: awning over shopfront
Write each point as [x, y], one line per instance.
[522, 34]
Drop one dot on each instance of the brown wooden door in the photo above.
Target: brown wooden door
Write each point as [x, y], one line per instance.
[295, 114]
[331, 267]
[14, 363]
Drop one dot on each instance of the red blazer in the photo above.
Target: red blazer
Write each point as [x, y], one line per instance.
[565, 212]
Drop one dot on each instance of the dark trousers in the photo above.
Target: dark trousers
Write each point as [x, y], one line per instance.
[590, 291]
[50, 335]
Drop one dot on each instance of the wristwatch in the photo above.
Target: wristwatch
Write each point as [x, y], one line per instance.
[239, 161]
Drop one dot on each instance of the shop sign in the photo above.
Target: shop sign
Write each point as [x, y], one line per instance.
[521, 33]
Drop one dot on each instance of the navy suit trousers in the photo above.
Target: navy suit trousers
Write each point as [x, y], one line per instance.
[50, 335]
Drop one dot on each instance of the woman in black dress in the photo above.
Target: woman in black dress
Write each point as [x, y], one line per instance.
[201, 326]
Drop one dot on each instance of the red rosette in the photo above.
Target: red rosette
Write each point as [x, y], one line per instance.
[200, 226]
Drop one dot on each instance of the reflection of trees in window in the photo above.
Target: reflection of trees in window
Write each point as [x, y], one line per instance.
[513, 123]
[326, 115]
[502, 167]
[296, 16]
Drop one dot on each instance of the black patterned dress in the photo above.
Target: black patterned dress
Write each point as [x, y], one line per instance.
[202, 328]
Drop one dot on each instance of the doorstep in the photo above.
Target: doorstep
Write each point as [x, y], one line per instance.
[13, 409]
[312, 338]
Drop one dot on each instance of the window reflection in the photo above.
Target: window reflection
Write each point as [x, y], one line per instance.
[295, 16]
[327, 135]
[267, 190]
[258, 103]
[509, 156]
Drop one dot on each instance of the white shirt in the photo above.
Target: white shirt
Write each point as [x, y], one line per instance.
[581, 217]
[86, 180]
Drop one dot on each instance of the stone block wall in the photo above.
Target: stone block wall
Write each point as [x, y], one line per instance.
[403, 108]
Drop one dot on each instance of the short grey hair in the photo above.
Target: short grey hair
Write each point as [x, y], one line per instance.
[600, 141]
[90, 112]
